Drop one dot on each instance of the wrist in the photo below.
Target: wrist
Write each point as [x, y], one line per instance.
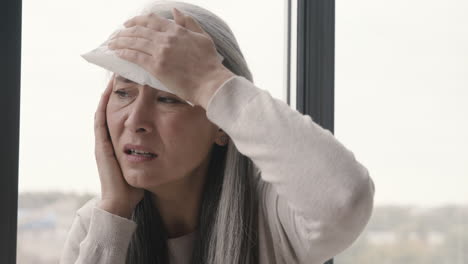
[115, 208]
[211, 84]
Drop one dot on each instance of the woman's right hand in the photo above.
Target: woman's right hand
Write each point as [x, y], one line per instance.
[117, 196]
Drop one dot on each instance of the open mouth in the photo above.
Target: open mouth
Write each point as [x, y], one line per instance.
[140, 153]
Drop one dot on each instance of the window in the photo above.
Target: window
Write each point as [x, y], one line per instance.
[401, 79]
[60, 92]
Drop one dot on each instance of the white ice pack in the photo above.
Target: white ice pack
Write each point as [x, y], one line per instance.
[107, 59]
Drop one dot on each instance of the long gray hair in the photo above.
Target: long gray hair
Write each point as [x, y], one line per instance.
[227, 230]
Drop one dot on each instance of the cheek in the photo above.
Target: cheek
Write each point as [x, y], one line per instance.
[192, 139]
[114, 121]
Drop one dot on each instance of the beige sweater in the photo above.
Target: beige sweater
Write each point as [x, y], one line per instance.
[315, 197]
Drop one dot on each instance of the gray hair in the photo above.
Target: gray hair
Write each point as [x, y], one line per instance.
[228, 215]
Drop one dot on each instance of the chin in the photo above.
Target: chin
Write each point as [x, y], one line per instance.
[143, 180]
[138, 180]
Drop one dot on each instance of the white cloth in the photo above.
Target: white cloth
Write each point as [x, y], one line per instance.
[106, 58]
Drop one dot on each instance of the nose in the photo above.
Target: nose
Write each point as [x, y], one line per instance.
[139, 118]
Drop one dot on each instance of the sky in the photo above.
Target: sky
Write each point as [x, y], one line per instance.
[400, 89]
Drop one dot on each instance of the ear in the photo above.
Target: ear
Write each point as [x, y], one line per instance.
[222, 140]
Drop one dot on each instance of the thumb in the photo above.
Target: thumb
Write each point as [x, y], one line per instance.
[179, 18]
[191, 23]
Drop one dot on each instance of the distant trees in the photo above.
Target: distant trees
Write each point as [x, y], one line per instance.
[423, 236]
[394, 235]
[34, 200]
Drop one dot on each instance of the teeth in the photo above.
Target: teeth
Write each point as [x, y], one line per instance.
[137, 152]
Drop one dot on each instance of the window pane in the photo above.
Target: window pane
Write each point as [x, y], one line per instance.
[401, 79]
[60, 92]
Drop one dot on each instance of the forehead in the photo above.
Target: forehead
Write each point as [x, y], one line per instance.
[120, 78]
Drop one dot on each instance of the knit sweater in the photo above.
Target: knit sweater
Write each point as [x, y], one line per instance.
[315, 198]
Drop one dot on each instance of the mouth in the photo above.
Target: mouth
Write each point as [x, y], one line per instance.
[139, 151]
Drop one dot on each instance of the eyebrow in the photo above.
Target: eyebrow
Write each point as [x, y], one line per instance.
[123, 79]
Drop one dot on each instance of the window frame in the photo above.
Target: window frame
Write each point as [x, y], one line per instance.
[314, 92]
[10, 70]
[315, 60]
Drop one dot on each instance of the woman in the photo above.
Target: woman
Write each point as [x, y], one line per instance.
[239, 178]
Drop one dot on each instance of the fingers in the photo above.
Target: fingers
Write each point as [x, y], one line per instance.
[134, 43]
[152, 21]
[144, 26]
[100, 123]
[134, 31]
[193, 25]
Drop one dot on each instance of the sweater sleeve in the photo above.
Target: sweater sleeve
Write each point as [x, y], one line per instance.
[97, 237]
[319, 197]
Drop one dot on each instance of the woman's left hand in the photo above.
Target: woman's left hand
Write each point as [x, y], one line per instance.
[179, 53]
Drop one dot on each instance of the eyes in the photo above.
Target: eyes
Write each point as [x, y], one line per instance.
[122, 94]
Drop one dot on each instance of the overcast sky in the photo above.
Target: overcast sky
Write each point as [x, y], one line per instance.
[401, 88]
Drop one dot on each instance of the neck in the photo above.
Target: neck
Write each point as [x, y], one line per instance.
[178, 202]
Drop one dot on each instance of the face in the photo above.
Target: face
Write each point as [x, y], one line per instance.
[162, 123]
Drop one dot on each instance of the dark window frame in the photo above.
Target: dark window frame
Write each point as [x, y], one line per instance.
[10, 70]
[314, 90]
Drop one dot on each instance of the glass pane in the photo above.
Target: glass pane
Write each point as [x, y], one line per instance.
[60, 92]
[401, 79]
